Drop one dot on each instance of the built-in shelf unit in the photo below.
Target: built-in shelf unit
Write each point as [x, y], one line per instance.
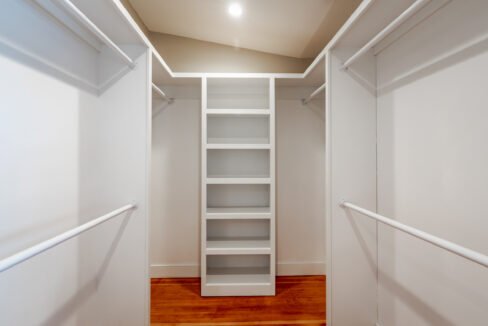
[238, 187]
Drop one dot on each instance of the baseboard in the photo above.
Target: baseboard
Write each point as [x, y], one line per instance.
[193, 270]
[300, 268]
[174, 270]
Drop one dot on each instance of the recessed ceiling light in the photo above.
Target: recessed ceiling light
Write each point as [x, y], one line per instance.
[235, 10]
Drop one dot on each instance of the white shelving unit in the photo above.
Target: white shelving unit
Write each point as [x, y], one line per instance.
[238, 187]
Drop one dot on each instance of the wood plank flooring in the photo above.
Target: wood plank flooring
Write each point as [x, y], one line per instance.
[300, 300]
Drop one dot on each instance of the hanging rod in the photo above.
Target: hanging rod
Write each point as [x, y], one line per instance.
[35, 250]
[162, 94]
[315, 93]
[416, 6]
[472, 255]
[82, 18]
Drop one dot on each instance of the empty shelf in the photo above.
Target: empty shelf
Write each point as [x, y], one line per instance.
[239, 180]
[249, 145]
[238, 213]
[248, 112]
[238, 141]
[238, 246]
[238, 276]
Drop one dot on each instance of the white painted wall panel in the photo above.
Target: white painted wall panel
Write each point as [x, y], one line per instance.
[68, 157]
[300, 159]
[432, 158]
[351, 239]
[39, 167]
[175, 185]
[114, 171]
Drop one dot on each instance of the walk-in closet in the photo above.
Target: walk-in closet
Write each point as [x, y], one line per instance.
[244, 162]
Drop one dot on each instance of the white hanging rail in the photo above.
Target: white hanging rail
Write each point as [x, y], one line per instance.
[161, 93]
[472, 255]
[416, 6]
[35, 250]
[315, 93]
[80, 16]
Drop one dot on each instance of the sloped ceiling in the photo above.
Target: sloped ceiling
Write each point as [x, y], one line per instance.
[294, 28]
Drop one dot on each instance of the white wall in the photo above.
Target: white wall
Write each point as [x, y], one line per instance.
[175, 185]
[351, 176]
[300, 167]
[39, 167]
[69, 156]
[115, 140]
[432, 168]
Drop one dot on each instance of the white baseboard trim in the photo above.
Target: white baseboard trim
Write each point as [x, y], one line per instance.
[300, 268]
[193, 270]
[174, 270]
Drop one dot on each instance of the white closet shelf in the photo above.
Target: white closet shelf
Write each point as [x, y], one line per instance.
[90, 34]
[238, 276]
[238, 247]
[225, 213]
[85, 21]
[245, 112]
[238, 176]
[238, 146]
[238, 180]
[240, 140]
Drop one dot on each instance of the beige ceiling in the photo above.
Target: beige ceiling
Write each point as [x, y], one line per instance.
[295, 28]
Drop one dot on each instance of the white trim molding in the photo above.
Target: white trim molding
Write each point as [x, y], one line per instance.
[301, 268]
[193, 270]
[175, 270]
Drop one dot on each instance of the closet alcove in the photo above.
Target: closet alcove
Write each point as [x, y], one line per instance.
[238, 178]
[252, 132]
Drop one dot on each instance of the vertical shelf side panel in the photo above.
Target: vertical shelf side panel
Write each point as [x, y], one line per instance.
[203, 159]
[328, 192]
[272, 170]
[352, 242]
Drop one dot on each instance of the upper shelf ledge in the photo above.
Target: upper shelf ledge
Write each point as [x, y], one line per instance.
[394, 24]
[87, 23]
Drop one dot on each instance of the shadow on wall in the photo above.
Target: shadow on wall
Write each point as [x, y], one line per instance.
[159, 107]
[317, 107]
[72, 305]
[413, 301]
[371, 258]
[31, 235]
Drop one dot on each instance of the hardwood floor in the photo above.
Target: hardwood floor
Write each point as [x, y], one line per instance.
[300, 300]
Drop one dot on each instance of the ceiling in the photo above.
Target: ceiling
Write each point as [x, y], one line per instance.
[295, 28]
